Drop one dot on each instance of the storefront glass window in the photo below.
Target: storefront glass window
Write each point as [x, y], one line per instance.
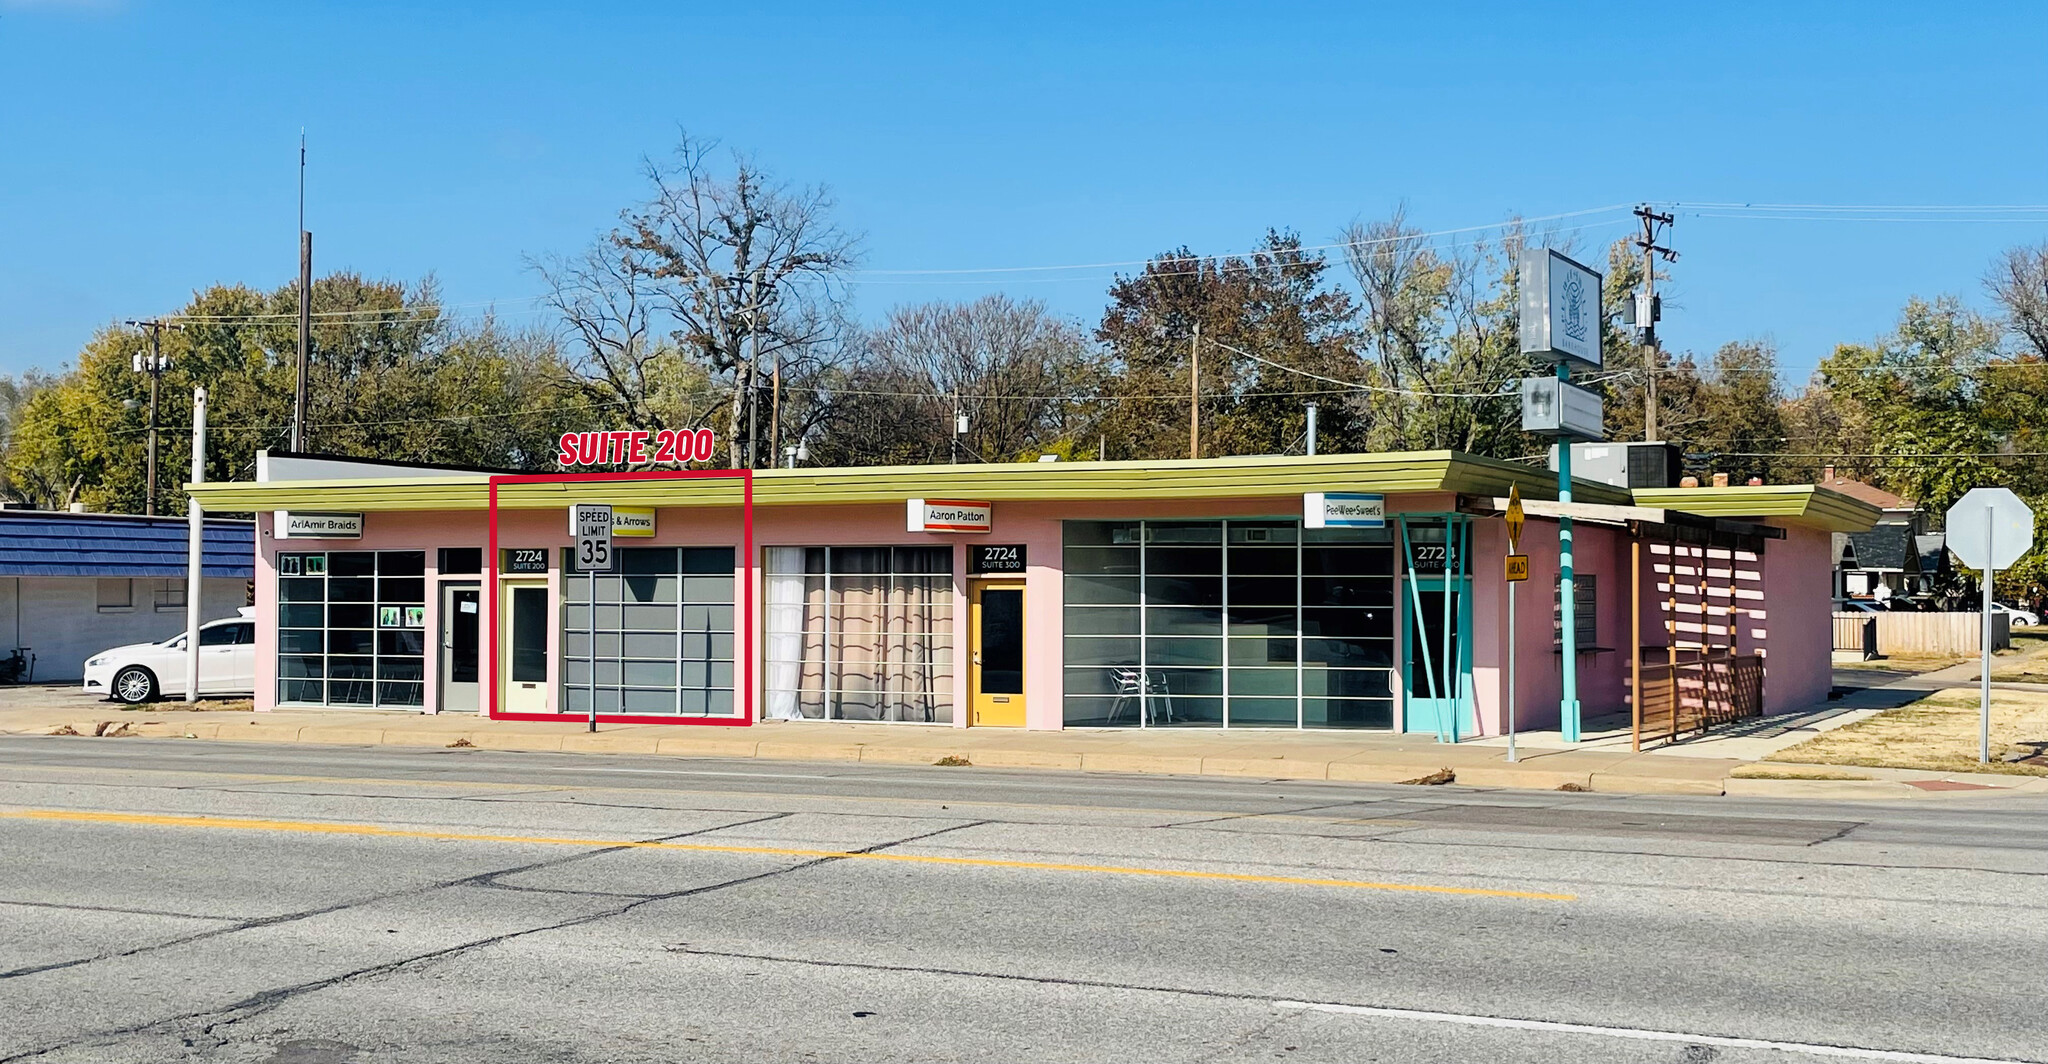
[860, 633]
[664, 634]
[351, 628]
[1244, 623]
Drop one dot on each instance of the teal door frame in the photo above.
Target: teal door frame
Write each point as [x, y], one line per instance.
[1445, 663]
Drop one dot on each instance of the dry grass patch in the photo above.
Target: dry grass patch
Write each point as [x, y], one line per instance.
[1937, 733]
[1793, 772]
[204, 705]
[1912, 663]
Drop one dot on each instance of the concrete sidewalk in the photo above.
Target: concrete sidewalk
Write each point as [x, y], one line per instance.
[1376, 757]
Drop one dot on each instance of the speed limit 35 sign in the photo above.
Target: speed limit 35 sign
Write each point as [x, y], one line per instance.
[591, 523]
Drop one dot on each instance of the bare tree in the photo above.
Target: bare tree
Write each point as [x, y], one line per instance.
[1012, 368]
[717, 291]
[2019, 281]
[605, 298]
[1441, 327]
[750, 271]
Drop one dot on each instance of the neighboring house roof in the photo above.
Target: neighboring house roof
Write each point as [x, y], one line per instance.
[1845, 551]
[42, 543]
[1933, 551]
[1858, 490]
[1886, 547]
[1263, 476]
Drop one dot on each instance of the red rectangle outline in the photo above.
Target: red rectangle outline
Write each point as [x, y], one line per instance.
[746, 477]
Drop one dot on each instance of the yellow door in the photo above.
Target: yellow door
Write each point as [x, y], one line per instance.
[995, 679]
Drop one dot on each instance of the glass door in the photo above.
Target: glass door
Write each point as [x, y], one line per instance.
[1437, 617]
[460, 611]
[523, 655]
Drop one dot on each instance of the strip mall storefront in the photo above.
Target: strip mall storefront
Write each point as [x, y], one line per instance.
[1122, 595]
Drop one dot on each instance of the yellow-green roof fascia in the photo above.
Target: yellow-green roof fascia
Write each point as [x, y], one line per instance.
[1392, 473]
[1806, 505]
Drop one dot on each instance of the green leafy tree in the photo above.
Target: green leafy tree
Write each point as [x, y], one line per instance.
[1740, 417]
[1275, 334]
[391, 377]
[1915, 400]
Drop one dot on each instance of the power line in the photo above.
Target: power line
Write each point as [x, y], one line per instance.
[1855, 207]
[1221, 263]
[1496, 393]
[1396, 239]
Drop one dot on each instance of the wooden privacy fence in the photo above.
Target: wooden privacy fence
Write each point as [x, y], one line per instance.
[1702, 690]
[1856, 633]
[1902, 632]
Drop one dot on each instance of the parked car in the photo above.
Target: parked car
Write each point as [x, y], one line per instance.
[2016, 616]
[142, 672]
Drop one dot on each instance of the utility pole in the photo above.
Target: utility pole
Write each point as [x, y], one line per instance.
[775, 410]
[153, 363]
[753, 315]
[959, 429]
[195, 537]
[1195, 393]
[1646, 311]
[298, 440]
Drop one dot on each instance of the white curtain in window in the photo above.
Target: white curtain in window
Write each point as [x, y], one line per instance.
[785, 630]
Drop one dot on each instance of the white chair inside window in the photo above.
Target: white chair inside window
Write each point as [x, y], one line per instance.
[1147, 692]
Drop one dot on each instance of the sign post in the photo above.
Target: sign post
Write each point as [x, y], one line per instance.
[1560, 321]
[592, 524]
[1516, 573]
[1989, 529]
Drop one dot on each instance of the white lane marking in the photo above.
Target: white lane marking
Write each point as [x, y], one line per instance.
[1641, 1035]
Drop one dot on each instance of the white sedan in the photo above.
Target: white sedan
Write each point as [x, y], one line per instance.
[141, 672]
[2017, 616]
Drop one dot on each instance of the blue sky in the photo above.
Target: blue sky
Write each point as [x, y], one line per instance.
[149, 149]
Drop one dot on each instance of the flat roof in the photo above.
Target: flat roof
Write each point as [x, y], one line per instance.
[1406, 472]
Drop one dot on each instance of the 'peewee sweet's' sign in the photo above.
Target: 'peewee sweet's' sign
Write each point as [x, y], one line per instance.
[1336, 509]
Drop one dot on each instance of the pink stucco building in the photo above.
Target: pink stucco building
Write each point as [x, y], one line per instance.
[1340, 592]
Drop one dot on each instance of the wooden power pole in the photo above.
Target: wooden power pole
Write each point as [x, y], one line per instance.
[1646, 312]
[152, 362]
[1195, 393]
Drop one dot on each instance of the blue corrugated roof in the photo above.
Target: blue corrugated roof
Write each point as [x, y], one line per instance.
[37, 543]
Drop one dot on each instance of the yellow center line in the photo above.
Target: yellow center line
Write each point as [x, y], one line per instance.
[331, 828]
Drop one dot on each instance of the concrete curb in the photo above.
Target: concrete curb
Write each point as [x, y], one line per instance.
[1473, 766]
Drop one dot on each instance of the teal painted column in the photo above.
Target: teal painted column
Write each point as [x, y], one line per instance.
[1568, 636]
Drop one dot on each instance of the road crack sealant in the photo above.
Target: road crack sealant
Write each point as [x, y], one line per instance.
[219, 1019]
[481, 879]
[1812, 1049]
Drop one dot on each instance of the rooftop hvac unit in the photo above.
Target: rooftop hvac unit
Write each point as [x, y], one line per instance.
[1626, 465]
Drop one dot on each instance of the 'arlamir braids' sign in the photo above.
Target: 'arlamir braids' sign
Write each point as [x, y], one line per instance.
[636, 447]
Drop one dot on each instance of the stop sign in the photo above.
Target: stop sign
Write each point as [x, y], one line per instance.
[1990, 528]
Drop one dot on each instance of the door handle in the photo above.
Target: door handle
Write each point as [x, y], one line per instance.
[977, 657]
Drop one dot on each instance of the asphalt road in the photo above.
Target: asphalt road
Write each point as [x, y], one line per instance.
[169, 901]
